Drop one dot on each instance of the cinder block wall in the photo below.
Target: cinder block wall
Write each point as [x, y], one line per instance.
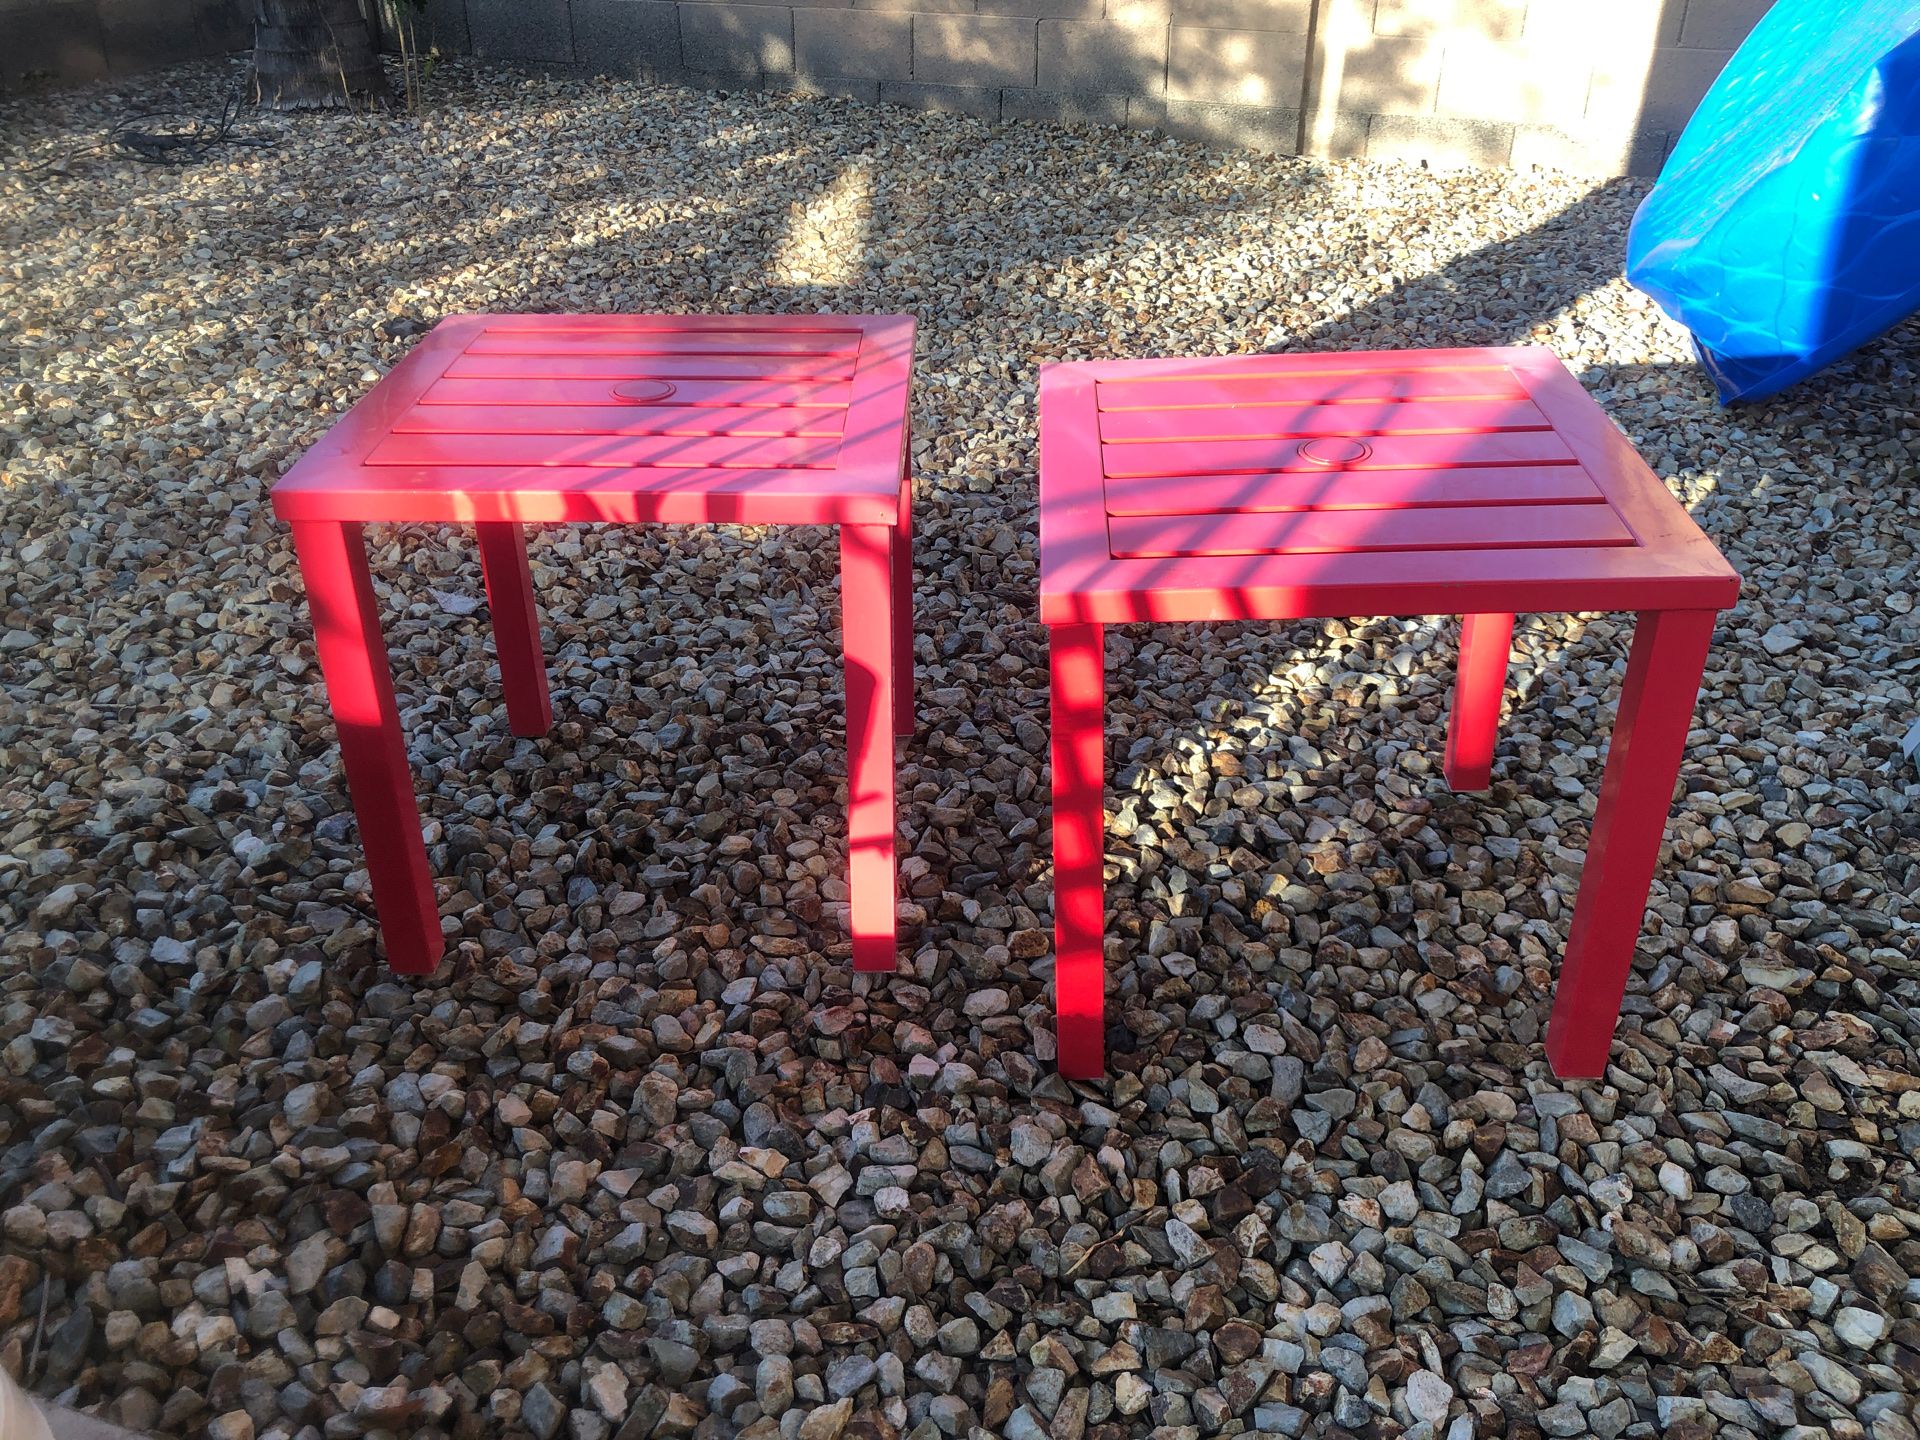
[1601, 86]
[66, 40]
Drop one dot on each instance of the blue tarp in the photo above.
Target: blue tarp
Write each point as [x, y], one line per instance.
[1785, 229]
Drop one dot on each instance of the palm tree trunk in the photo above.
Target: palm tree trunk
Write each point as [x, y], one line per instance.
[314, 53]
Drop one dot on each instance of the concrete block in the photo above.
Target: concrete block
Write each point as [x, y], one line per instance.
[1345, 139]
[1273, 129]
[446, 27]
[856, 44]
[438, 25]
[627, 37]
[1721, 24]
[1445, 144]
[974, 100]
[1660, 94]
[1064, 109]
[1490, 19]
[724, 82]
[537, 31]
[922, 7]
[226, 26]
[1291, 16]
[1517, 83]
[1262, 68]
[144, 34]
[1391, 75]
[1045, 9]
[739, 38]
[838, 87]
[52, 42]
[1588, 151]
[1345, 19]
[1103, 57]
[1636, 25]
[975, 51]
[1348, 139]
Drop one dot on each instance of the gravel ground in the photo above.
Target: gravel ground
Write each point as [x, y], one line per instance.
[644, 1158]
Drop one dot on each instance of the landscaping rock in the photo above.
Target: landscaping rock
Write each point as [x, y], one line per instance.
[644, 1157]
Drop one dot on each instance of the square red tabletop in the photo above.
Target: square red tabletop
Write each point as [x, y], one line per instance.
[1373, 482]
[787, 419]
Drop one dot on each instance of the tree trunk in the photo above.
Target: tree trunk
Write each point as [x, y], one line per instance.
[314, 53]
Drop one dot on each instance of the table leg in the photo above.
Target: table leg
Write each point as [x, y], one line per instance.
[516, 626]
[353, 661]
[867, 633]
[903, 612]
[1485, 641]
[1079, 847]
[1636, 791]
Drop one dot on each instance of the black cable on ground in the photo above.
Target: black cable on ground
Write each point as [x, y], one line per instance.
[169, 137]
[164, 137]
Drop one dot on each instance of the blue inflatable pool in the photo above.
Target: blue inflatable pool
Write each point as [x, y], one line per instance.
[1785, 229]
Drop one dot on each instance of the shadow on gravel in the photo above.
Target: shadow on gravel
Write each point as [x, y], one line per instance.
[659, 646]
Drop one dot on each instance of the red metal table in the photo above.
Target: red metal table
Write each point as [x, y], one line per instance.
[1477, 483]
[502, 420]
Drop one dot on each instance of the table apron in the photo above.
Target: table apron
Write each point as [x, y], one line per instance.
[670, 508]
[1405, 602]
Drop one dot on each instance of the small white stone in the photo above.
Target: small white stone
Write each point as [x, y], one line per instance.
[1779, 640]
[1859, 1328]
[1188, 1248]
[1429, 1396]
[984, 1004]
[1676, 1181]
